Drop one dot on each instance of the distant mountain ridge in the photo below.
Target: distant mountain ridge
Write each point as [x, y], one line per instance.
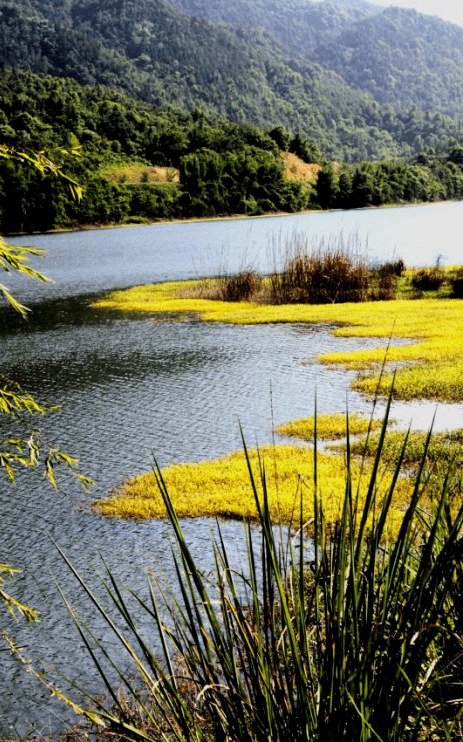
[395, 54]
[365, 83]
[403, 57]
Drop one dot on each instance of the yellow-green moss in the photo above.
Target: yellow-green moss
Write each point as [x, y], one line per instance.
[329, 427]
[222, 488]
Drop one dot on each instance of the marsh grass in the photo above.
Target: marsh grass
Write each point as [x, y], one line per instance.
[442, 448]
[333, 270]
[219, 488]
[329, 427]
[358, 638]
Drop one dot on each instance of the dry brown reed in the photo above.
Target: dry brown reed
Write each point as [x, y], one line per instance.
[330, 271]
[428, 279]
[240, 287]
[325, 271]
[457, 286]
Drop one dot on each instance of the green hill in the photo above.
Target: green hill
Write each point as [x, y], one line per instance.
[158, 53]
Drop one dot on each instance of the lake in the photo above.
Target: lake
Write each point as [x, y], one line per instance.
[128, 388]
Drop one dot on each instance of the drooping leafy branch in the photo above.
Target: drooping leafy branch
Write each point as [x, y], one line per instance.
[44, 164]
[24, 449]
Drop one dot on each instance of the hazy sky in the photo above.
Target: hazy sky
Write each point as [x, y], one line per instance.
[449, 10]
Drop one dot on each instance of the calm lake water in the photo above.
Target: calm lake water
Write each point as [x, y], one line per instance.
[128, 388]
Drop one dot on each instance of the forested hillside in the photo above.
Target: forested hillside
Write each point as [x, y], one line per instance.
[145, 84]
[224, 167]
[402, 57]
[396, 54]
[299, 26]
[221, 167]
[156, 52]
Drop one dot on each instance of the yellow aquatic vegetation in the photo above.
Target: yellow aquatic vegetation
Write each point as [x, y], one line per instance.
[329, 427]
[436, 326]
[222, 488]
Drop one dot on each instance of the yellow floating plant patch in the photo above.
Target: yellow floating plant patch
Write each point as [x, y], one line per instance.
[434, 324]
[329, 427]
[222, 488]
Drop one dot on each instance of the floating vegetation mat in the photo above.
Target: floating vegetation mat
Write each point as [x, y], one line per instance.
[430, 368]
[221, 487]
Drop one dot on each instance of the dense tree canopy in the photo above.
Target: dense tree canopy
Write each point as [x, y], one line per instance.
[158, 53]
[223, 167]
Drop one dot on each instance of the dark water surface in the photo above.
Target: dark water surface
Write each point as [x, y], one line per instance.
[128, 388]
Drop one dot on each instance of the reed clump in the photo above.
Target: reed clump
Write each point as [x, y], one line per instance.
[242, 286]
[357, 635]
[332, 271]
[328, 271]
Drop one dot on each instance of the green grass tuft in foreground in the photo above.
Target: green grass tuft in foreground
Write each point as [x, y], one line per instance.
[357, 637]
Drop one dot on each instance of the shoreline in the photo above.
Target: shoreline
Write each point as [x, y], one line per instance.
[429, 368]
[225, 217]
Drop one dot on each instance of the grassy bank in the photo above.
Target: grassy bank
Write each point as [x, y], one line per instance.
[429, 367]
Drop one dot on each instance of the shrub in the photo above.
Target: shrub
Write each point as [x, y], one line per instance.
[457, 286]
[384, 280]
[135, 219]
[428, 279]
[392, 268]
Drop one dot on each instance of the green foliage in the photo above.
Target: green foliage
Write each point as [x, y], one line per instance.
[246, 181]
[358, 639]
[14, 606]
[410, 60]
[15, 259]
[227, 167]
[327, 187]
[165, 56]
[24, 448]
[378, 183]
[155, 200]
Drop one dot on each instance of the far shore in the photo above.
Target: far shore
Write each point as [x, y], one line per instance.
[224, 217]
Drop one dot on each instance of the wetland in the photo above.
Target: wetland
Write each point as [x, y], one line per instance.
[128, 387]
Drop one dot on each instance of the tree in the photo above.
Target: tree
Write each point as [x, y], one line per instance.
[327, 187]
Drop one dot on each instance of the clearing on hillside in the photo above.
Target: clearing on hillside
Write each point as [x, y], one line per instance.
[138, 172]
[297, 169]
